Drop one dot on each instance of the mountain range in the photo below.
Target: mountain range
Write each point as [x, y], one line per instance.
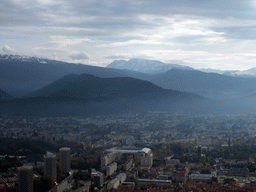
[86, 86]
[211, 85]
[249, 73]
[246, 73]
[48, 87]
[4, 96]
[89, 95]
[157, 67]
[20, 75]
[146, 66]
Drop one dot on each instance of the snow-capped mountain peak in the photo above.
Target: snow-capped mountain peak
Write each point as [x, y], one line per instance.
[145, 66]
[22, 58]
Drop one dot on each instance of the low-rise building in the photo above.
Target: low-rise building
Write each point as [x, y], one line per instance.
[201, 178]
[147, 161]
[114, 183]
[121, 177]
[243, 172]
[153, 181]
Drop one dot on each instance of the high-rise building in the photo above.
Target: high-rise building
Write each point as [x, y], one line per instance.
[50, 169]
[25, 182]
[199, 152]
[98, 179]
[65, 159]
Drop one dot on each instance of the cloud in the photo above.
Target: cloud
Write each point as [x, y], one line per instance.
[113, 29]
[79, 56]
[90, 18]
[119, 56]
[64, 41]
[122, 18]
[7, 49]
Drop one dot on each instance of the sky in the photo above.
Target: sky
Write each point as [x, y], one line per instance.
[217, 34]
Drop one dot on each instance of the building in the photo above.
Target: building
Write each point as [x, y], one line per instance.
[65, 159]
[111, 169]
[156, 182]
[128, 165]
[93, 173]
[172, 162]
[109, 158]
[25, 179]
[114, 183]
[121, 177]
[135, 152]
[201, 178]
[50, 169]
[242, 172]
[147, 161]
[199, 152]
[98, 179]
[60, 187]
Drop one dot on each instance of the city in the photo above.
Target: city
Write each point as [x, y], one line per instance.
[128, 152]
[127, 96]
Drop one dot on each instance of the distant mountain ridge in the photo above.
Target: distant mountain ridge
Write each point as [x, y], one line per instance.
[146, 66]
[89, 95]
[20, 75]
[4, 96]
[210, 85]
[249, 73]
[85, 86]
[54, 90]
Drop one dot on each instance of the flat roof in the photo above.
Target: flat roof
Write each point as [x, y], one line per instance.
[154, 180]
[121, 175]
[144, 150]
[200, 176]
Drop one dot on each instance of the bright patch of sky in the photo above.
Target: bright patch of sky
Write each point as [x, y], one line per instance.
[218, 34]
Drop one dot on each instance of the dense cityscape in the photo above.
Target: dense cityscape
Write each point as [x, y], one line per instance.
[129, 153]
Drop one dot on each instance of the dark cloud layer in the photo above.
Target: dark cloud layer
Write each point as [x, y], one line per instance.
[128, 28]
[110, 17]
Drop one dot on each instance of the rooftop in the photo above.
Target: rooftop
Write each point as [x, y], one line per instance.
[115, 149]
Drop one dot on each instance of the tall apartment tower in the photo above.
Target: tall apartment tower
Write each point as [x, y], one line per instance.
[50, 168]
[65, 159]
[199, 152]
[25, 179]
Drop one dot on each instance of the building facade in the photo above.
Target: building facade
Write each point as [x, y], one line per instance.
[65, 157]
[98, 179]
[147, 161]
[110, 158]
[50, 169]
[25, 179]
[111, 168]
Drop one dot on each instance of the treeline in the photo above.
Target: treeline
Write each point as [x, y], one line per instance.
[88, 159]
[10, 146]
